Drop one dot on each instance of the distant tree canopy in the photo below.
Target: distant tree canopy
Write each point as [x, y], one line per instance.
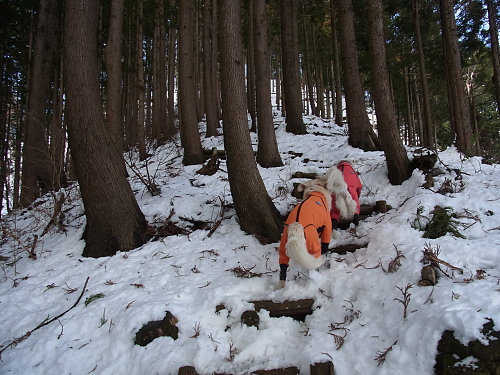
[140, 97]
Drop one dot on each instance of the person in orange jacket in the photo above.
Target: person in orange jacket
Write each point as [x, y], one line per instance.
[307, 229]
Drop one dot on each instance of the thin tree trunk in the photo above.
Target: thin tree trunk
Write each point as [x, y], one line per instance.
[160, 121]
[428, 140]
[338, 107]
[318, 79]
[172, 40]
[37, 172]
[198, 67]
[210, 101]
[139, 132]
[267, 152]
[57, 128]
[291, 69]
[17, 165]
[308, 69]
[190, 137]
[251, 69]
[4, 145]
[278, 84]
[495, 54]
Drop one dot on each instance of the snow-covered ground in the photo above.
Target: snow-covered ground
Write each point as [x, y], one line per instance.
[356, 297]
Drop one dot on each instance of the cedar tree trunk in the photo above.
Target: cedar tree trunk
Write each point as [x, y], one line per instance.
[395, 153]
[254, 207]
[114, 219]
[361, 134]
[267, 152]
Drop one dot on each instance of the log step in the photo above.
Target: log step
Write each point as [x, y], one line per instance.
[153, 330]
[294, 309]
[347, 248]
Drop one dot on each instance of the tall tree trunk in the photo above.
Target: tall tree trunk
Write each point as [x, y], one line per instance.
[459, 108]
[38, 175]
[57, 127]
[198, 67]
[4, 143]
[361, 134]
[113, 60]
[172, 41]
[139, 132]
[251, 68]
[318, 79]
[338, 107]
[215, 59]
[190, 136]
[495, 54]
[210, 100]
[278, 84]
[114, 219]
[267, 152]
[308, 69]
[428, 140]
[291, 70]
[254, 207]
[395, 153]
[160, 121]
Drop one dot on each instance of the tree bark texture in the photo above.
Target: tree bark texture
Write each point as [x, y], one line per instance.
[139, 137]
[495, 54]
[208, 65]
[361, 134]
[339, 107]
[114, 219]
[428, 139]
[172, 41]
[190, 136]
[395, 153]
[251, 68]
[159, 114]
[292, 89]
[459, 107]
[267, 152]
[113, 60]
[38, 176]
[255, 209]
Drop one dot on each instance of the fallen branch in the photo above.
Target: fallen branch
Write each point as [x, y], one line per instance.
[57, 216]
[44, 323]
[31, 253]
[430, 256]
[382, 355]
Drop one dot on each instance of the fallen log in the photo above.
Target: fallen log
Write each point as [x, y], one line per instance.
[187, 370]
[280, 371]
[324, 368]
[347, 248]
[153, 330]
[312, 176]
[294, 309]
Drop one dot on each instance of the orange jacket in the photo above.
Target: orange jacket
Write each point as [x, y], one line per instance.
[314, 215]
[354, 186]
